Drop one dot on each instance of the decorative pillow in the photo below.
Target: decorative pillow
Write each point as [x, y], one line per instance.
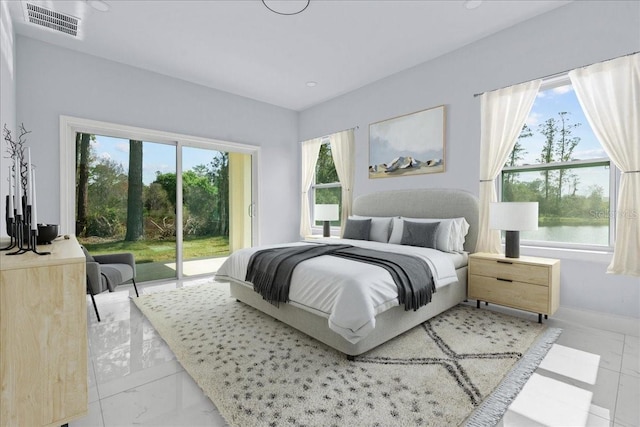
[357, 229]
[451, 233]
[420, 234]
[380, 227]
[443, 238]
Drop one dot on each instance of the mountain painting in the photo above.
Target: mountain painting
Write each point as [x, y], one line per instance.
[412, 144]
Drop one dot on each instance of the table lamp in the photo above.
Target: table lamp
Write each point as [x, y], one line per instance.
[513, 217]
[326, 213]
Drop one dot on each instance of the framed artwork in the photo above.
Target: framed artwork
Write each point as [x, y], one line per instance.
[412, 144]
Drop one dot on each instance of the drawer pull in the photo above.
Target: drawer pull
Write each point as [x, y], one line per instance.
[504, 280]
[504, 262]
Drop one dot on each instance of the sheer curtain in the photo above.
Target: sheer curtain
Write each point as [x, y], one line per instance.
[343, 153]
[310, 151]
[609, 93]
[502, 114]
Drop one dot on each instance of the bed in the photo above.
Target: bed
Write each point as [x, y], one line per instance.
[392, 319]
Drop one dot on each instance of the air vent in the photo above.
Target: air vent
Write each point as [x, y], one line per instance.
[51, 19]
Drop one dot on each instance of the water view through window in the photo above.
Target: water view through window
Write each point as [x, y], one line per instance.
[558, 162]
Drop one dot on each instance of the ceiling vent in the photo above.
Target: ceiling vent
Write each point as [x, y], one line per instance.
[51, 19]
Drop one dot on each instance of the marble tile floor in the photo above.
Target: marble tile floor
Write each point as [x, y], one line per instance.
[135, 379]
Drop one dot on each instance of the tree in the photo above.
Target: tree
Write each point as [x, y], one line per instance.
[220, 178]
[564, 149]
[518, 152]
[168, 181]
[108, 196]
[135, 218]
[325, 168]
[514, 159]
[83, 141]
[549, 129]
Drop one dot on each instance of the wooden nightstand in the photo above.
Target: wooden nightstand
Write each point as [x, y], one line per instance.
[525, 283]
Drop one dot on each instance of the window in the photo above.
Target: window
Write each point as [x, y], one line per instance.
[326, 186]
[558, 162]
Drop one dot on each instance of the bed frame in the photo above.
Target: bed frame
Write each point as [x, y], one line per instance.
[422, 203]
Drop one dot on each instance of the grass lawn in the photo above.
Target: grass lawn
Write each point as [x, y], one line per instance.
[148, 251]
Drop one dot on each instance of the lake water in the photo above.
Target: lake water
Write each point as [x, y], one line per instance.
[586, 234]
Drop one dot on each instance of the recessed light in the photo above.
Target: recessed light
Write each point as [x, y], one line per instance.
[312, 84]
[100, 5]
[472, 4]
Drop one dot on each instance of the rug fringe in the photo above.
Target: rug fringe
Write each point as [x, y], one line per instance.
[493, 408]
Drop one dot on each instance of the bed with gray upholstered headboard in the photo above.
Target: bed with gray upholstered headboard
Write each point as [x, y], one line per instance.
[390, 322]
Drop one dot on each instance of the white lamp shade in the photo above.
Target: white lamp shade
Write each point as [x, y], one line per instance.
[326, 212]
[513, 216]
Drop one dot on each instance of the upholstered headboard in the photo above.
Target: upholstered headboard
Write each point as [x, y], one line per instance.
[423, 203]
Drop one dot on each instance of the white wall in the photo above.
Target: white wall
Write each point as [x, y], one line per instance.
[7, 100]
[54, 81]
[578, 34]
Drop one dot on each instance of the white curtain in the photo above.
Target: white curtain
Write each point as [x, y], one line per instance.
[502, 114]
[609, 93]
[343, 153]
[310, 151]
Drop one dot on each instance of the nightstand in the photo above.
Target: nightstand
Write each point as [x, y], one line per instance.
[525, 283]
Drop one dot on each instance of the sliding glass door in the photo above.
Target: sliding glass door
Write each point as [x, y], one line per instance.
[216, 208]
[179, 208]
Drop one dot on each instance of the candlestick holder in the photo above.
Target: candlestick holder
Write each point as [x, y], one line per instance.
[11, 230]
[26, 239]
[19, 235]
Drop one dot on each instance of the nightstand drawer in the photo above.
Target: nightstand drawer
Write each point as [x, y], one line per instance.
[525, 296]
[510, 270]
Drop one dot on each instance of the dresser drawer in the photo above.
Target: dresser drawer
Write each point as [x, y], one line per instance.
[525, 296]
[510, 270]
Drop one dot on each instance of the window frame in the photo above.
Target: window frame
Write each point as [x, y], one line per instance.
[614, 182]
[317, 229]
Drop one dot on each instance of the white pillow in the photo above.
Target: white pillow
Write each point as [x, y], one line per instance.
[380, 227]
[462, 229]
[450, 236]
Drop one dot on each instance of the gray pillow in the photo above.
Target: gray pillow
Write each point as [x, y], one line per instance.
[419, 234]
[357, 229]
[380, 227]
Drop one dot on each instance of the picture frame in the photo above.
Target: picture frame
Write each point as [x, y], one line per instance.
[411, 144]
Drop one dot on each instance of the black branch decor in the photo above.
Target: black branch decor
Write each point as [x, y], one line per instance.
[15, 148]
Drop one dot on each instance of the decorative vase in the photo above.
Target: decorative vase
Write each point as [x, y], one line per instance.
[47, 233]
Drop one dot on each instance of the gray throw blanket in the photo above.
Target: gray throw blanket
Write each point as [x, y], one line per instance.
[411, 274]
[270, 271]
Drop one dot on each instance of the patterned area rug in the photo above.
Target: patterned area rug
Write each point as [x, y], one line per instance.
[261, 372]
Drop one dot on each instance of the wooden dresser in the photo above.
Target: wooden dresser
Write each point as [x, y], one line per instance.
[43, 336]
[525, 283]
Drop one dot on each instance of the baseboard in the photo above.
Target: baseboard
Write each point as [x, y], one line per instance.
[594, 319]
[580, 317]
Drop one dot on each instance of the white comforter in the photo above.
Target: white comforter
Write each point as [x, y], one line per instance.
[349, 293]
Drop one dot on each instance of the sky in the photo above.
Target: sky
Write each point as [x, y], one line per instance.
[155, 156]
[548, 104]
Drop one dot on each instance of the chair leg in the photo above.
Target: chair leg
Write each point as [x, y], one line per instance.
[135, 287]
[95, 307]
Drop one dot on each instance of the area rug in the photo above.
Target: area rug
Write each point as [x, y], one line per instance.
[261, 372]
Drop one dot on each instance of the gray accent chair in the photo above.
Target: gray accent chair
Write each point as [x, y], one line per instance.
[106, 272]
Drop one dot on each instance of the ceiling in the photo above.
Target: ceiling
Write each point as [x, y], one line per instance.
[240, 46]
